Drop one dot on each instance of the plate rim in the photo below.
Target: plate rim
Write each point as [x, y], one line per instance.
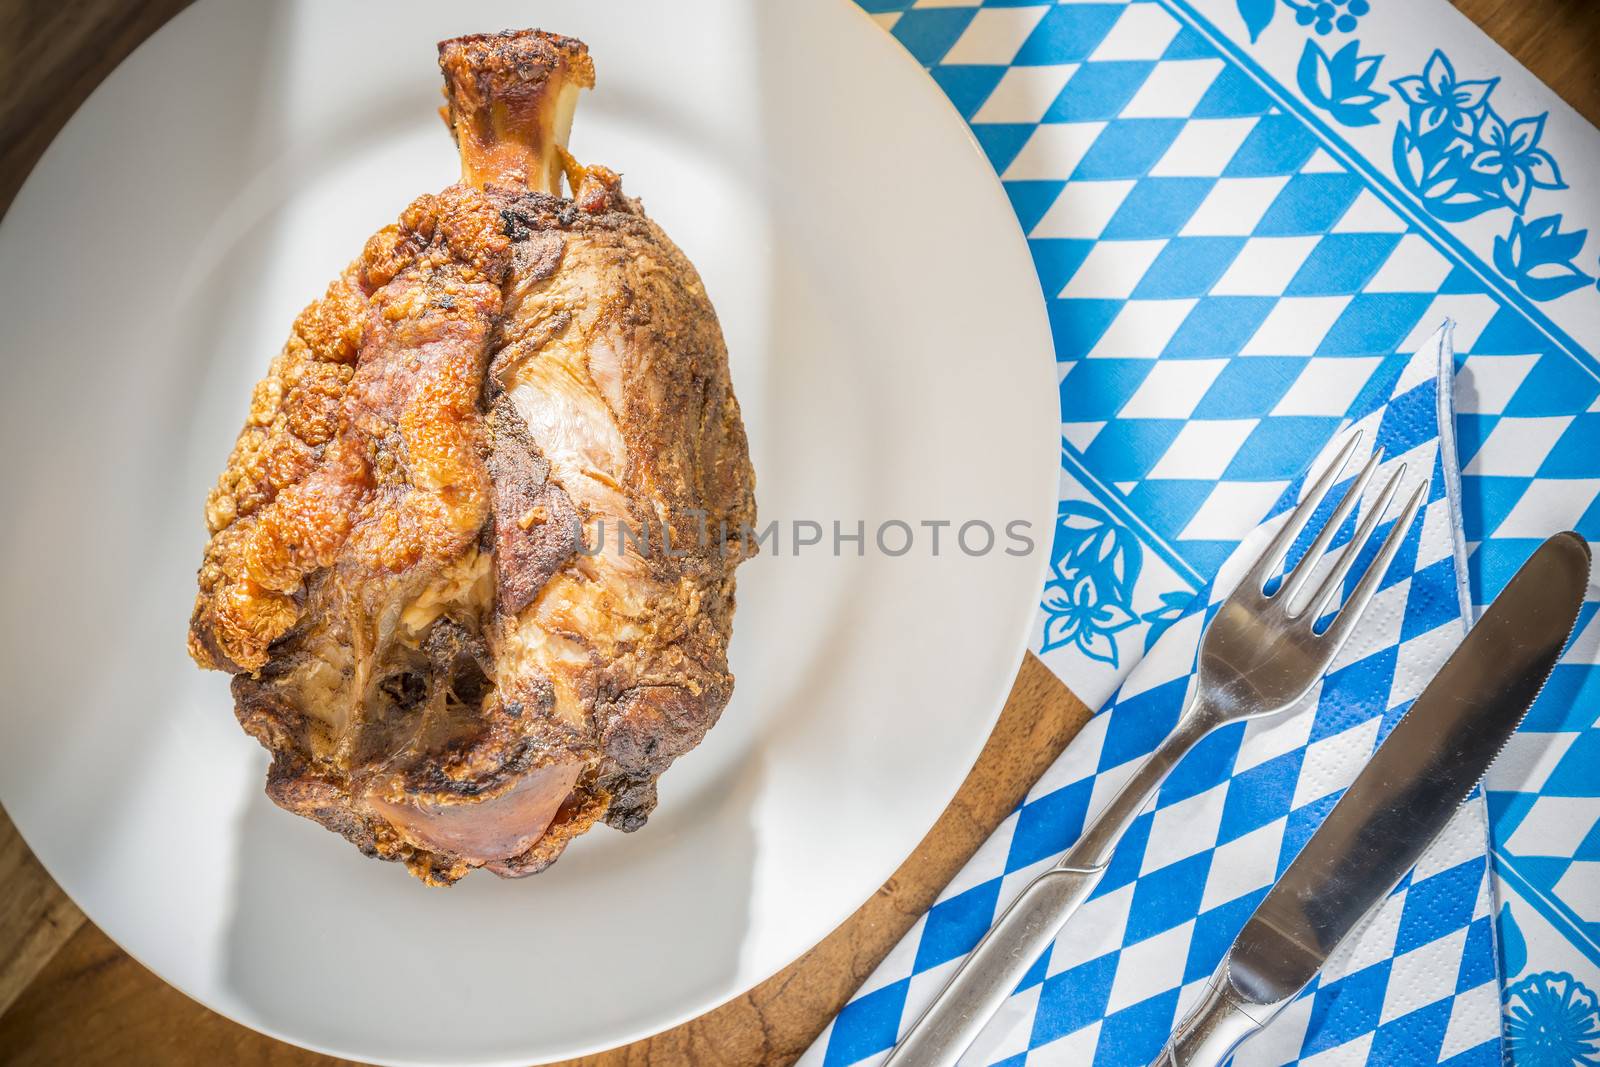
[1023, 620]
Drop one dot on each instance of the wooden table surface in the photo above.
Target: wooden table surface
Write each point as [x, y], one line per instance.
[68, 995]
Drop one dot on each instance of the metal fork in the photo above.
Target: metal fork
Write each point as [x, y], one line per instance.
[1260, 654]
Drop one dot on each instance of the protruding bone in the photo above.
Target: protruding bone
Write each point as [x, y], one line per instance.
[510, 98]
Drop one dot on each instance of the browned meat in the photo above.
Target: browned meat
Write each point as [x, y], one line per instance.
[402, 575]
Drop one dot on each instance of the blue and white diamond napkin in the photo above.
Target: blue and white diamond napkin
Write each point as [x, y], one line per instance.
[1417, 984]
[1238, 211]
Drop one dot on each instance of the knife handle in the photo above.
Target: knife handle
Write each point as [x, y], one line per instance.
[990, 974]
[1216, 1026]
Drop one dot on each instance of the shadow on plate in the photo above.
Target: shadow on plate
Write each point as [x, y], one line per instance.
[445, 950]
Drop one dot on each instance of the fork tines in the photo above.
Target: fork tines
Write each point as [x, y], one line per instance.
[1296, 581]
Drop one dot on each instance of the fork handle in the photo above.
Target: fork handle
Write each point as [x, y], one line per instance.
[1099, 839]
[991, 973]
[1026, 928]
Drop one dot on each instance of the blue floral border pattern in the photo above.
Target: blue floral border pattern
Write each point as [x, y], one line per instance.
[1323, 16]
[1341, 84]
[1457, 155]
[1460, 158]
[1552, 1020]
[1095, 564]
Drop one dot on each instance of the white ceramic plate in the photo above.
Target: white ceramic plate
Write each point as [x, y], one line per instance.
[891, 352]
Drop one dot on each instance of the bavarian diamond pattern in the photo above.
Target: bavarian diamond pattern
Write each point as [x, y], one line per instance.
[1229, 268]
[1408, 988]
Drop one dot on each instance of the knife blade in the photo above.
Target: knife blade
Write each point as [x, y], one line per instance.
[1427, 766]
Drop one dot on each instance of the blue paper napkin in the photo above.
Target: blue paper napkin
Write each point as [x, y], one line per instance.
[1417, 984]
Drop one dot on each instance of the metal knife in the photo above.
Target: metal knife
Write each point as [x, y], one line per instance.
[1394, 809]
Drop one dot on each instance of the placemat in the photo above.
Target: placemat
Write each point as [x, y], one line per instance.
[1238, 210]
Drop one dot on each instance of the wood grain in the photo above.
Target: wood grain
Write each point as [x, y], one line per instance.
[68, 995]
[1559, 40]
[36, 917]
[54, 53]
